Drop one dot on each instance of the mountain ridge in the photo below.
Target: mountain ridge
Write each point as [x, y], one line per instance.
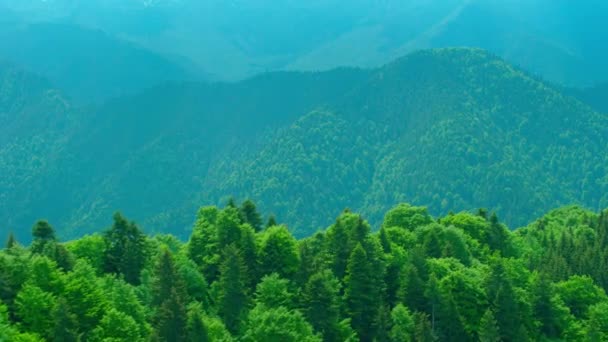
[411, 119]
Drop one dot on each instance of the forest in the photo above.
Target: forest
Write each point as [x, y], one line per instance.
[451, 129]
[242, 276]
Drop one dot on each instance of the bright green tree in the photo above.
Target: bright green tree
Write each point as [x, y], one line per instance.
[277, 325]
[279, 252]
[35, 308]
[116, 326]
[403, 324]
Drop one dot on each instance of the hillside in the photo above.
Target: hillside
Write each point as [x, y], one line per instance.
[89, 65]
[449, 128]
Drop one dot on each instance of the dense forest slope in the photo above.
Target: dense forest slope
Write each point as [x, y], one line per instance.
[448, 128]
[460, 277]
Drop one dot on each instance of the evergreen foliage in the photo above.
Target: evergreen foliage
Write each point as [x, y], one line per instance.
[422, 279]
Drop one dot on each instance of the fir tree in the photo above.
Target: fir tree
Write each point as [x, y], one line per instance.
[232, 300]
[125, 251]
[488, 328]
[250, 215]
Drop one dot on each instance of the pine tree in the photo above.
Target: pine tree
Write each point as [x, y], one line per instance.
[360, 302]
[384, 240]
[42, 234]
[250, 215]
[422, 328]
[197, 330]
[11, 241]
[232, 300]
[272, 221]
[488, 328]
[125, 252]
[170, 298]
[65, 329]
[403, 324]
[278, 252]
[171, 319]
[322, 304]
[228, 228]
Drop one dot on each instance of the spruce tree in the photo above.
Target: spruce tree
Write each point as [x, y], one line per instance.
[42, 234]
[170, 298]
[65, 329]
[11, 241]
[232, 300]
[402, 324]
[171, 319]
[125, 253]
[322, 304]
[197, 330]
[423, 332]
[358, 294]
[250, 215]
[488, 328]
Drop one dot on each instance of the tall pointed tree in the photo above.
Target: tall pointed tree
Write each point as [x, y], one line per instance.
[361, 304]
[232, 300]
[250, 215]
[170, 298]
[488, 328]
[322, 304]
[125, 252]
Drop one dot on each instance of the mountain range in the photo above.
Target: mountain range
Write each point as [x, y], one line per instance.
[233, 40]
[449, 128]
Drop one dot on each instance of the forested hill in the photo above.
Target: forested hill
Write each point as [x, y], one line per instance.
[452, 129]
[460, 277]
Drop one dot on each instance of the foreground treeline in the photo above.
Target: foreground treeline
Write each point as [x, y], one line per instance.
[463, 277]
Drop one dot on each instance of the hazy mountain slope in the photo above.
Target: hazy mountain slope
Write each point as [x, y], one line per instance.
[511, 143]
[459, 129]
[89, 65]
[558, 39]
[35, 124]
[446, 128]
[149, 154]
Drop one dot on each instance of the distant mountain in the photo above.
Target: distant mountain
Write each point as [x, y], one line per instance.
[560, 40]
[446, 128]
[89, 65]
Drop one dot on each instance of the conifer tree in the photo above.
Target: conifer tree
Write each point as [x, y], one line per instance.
[403, 324]
[170, 298]
[42, 234]
[232, 300]
[488, 328]
[360, 302]
[11, 241]
[272, 221]
[125, 251]
[322, 304]
[250, 215]
[279, 252]
[65, 329]
[423, 332]
[197, 329]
